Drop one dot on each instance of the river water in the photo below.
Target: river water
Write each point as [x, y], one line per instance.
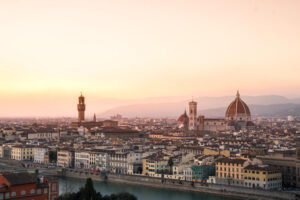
[141, 192]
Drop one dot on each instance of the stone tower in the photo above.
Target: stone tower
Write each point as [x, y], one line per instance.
[193, 116]
[81, 108]
[94, 119]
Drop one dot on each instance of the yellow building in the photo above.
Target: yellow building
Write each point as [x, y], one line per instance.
[65, 158]
[230, 171]
[155, 164]
[262, 176]
[22, 152]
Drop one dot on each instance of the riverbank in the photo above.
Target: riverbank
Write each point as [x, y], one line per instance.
[223, 190]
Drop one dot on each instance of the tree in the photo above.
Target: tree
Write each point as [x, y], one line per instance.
[170, 163]
[52, 156]
[88, 192]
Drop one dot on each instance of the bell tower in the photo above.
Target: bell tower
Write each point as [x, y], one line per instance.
[193, 116]
[81, 108]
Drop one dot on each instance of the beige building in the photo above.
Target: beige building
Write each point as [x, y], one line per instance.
[43, 135]
[22, 152]
[262, 176]
[65, 158]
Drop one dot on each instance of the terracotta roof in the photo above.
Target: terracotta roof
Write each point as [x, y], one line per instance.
[19, 178]
[238, 106]
[183, 118]
[233, 160]
[262, 167]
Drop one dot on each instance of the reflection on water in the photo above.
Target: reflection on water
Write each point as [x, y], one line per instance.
[141, 192]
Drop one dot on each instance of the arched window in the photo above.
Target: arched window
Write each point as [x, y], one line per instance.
[32, 191]
[23, 192]
[13, 194]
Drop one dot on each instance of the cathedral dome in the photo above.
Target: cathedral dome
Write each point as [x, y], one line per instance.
[238, 110]
[183, 118]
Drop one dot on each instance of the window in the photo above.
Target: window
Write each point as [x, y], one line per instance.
[39, 191]
[23, 192]
[45, 191]
[32, 191]
[54, 187]
[13, 194]
[7, 195]
[1, 196]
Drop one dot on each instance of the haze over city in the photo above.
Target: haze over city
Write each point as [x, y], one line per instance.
[125, 52]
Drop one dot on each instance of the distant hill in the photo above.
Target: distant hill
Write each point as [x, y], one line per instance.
[271, 105]
[274, 110]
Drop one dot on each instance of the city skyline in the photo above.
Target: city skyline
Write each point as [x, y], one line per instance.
[118, 52]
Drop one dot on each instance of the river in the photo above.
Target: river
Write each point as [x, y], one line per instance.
[141, 192]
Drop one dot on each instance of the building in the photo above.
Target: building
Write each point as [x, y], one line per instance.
[81, 108]
[200, 173]
[43, 134]
[135, 162]
[262, 176]
[89, 124]
[25, 186]
[238, 114]
[155, 164]
[20, 152]
[82, 159]
[289, 165]
[118, 162]
[183, 121]
[193, 116]
[230, 171]
[41, 155]
[99, 160]
[65, 158]
[237, 117]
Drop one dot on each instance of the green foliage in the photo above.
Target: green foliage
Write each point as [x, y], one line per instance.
[88, 192]
[52, 156]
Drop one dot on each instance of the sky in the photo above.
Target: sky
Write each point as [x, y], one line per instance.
[116, 50]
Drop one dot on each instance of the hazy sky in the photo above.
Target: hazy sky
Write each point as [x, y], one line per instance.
[51, 50]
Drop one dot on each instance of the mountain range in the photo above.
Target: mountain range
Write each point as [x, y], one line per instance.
[267, 105]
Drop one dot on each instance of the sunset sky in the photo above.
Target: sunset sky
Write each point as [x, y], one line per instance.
[120, 50]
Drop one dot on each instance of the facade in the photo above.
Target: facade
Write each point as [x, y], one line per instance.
[40, 155]
[99, 160]
[155, 164]
[65, 158]
[22, 152]
[230, 171]
[25, 186]
[262, 176]
[118, 162]
[43, 135]
[135, 162]
[200, 173]
[82, 159]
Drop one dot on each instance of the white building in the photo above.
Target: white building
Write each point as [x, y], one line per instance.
[118, 162]
[99, 160]
[40, 154]
[82, 159]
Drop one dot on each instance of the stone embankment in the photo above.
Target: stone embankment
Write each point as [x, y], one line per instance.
[237, 192]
